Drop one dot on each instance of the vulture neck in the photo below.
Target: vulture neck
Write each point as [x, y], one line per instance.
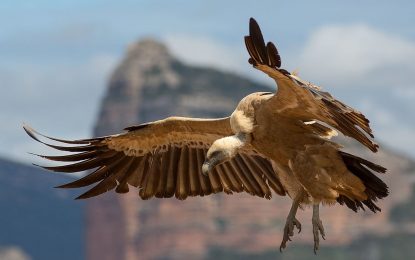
[236, 142]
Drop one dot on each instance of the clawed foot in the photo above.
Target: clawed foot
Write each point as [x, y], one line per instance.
[318, 230]
[289, 231]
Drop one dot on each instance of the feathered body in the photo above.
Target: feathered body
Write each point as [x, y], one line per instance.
[302, 159]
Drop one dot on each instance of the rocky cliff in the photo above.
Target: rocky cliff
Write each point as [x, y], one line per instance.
[150, 84]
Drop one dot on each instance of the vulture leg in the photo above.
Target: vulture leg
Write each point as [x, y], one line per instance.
[317, 227]
[292, 221]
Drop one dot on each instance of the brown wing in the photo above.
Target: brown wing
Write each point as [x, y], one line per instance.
[301, 99]
[163, 159]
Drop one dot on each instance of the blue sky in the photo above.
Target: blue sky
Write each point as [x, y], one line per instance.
[56, 56]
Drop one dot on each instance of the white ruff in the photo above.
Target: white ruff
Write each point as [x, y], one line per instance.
[241, 123]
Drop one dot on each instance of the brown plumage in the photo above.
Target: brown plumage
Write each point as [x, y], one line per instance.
[169, 166]
[272, 143]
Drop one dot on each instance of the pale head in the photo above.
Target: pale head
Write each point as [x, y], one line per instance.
[223, 150]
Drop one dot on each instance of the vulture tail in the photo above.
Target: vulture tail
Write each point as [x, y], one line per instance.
[375, 187]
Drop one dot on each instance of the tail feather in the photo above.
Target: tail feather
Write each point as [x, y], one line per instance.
[259, 52]
[375, 187]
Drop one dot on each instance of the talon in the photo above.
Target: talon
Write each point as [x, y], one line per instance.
[297, 224]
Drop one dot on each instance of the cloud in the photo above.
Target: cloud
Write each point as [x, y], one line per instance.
[205, 51]
[358, 55]
[202, 50]
[406, 93]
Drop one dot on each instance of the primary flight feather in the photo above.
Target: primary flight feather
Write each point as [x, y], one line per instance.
[272, 143]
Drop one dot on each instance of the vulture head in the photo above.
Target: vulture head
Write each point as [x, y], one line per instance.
[223, 150]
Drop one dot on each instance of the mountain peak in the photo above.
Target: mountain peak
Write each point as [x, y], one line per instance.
[148, 49]
[146, 64]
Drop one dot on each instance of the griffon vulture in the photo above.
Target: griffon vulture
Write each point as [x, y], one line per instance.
[272, 143]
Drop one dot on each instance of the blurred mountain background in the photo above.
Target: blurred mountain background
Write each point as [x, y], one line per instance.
[149, 84]
[56, 57]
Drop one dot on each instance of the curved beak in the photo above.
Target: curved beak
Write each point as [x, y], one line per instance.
[206, 168]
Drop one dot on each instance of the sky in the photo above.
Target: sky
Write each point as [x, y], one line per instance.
[57, 56]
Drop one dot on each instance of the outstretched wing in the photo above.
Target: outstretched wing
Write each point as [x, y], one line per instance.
[300, 99]
[163, 159]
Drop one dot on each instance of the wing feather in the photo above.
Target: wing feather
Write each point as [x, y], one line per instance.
[72, 157]
[151, 177]
[241, 176]
[161, 159]
[215, 181]
[182, 185]
[272, 178]
[172, 171]
[206, 187]
[193, 171]
[258, 175]
[233, 179]
[246, 173]
[126, 179]
[164, 164]
[141, 171]
[79, 166]
[109, 182]
[225, 182]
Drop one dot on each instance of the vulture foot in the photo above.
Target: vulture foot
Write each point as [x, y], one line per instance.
[318, 228]
[289, 230]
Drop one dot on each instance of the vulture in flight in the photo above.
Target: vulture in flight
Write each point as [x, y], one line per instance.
[272, 143]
